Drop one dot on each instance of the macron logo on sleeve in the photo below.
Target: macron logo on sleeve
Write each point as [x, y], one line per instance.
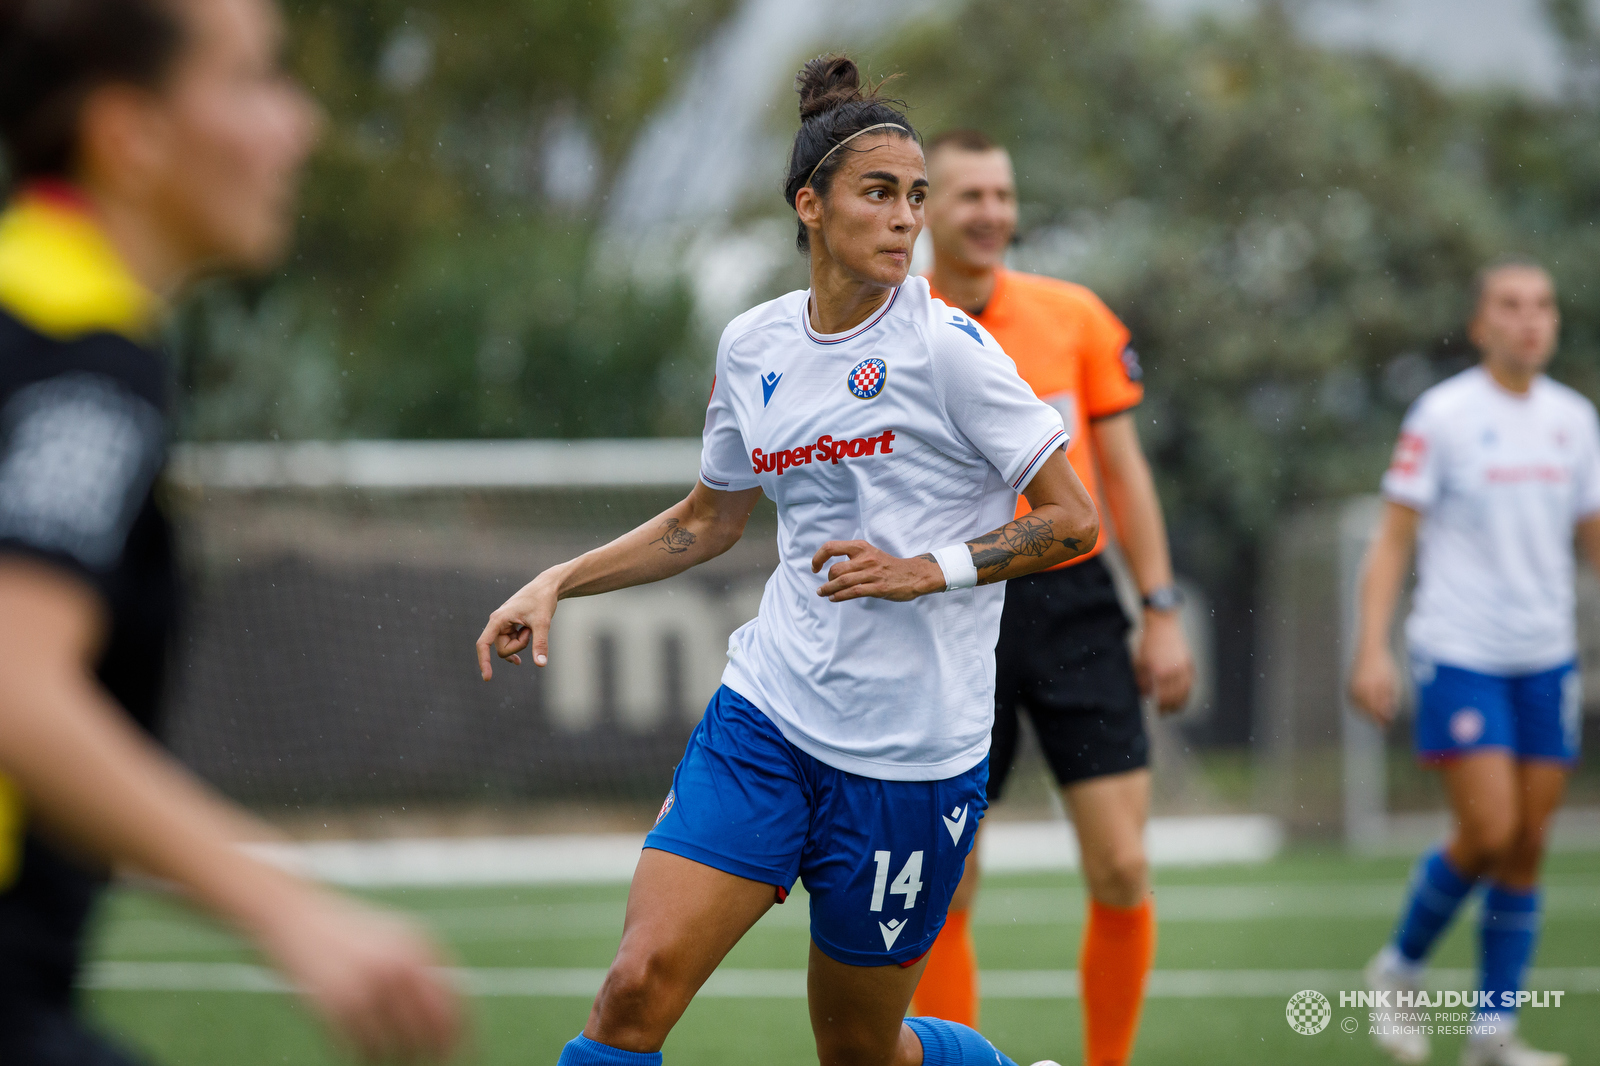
[965, 325]
[769, 384]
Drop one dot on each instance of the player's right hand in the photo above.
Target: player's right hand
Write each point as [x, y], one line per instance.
[1375, 685]
[521, 622]
[870, 571]
[374, 979]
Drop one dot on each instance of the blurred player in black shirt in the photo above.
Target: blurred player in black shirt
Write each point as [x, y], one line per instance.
[148, 142]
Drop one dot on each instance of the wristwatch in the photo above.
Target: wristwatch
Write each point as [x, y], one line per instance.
[1165, 598]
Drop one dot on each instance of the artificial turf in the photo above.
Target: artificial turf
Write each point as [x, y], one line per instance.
[1303, 912]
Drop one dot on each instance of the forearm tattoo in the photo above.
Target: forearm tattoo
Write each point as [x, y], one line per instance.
[674, 539]
[1029, 537]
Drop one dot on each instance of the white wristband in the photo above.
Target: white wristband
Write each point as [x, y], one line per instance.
[956, 562]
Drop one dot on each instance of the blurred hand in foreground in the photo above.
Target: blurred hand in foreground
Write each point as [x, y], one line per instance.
[373, 978]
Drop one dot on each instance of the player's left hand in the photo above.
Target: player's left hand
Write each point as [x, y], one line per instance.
[1163, 664]
[869, 571]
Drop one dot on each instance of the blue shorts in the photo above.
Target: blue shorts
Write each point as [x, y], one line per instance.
[1534, 716]
[881, 859]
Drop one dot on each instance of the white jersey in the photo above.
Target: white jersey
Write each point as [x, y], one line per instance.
[1501, 480]
[911, 431]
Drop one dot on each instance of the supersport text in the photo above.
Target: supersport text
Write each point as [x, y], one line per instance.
[827, 449]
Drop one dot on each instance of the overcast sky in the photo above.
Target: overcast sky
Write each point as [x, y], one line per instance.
[711, 145]
[1463, 41]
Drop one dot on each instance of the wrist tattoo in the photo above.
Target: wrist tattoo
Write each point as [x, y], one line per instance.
[674, 539]
[1029, 537]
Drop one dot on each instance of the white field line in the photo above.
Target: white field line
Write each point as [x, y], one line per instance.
[600, 858]
[1042, 907]
[791, 984]
[1008, 907]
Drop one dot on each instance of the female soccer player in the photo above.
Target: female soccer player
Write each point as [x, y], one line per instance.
[1495, 471]
[847, 745]
[150, 140]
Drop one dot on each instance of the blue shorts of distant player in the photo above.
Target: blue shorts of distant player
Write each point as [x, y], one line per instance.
[880, 859]
[1534, 716]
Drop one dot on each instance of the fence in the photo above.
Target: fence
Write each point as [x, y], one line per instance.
[1323, 769]
[338, 589]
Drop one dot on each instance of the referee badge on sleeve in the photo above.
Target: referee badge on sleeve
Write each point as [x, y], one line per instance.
[1130, 364]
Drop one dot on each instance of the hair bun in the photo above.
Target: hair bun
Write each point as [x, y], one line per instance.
[825, 83]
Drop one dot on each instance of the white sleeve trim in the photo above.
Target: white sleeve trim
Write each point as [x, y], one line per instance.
[727, 486]
[1414, 502]
[1058, 439]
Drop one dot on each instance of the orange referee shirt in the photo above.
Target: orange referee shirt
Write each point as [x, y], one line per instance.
[1074, 354]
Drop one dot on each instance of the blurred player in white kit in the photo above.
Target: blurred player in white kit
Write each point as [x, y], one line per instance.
[1496, 472]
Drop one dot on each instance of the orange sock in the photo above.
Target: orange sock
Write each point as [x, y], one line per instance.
[949, 986]
[1118, 947]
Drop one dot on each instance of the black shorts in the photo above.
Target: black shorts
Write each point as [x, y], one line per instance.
[1063, 658]
[42, 917]
[33, 1033]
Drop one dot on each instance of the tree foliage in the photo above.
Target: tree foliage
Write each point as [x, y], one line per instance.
[1289, 231]
[442, 284]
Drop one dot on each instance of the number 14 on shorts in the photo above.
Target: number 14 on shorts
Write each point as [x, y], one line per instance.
[907, 883]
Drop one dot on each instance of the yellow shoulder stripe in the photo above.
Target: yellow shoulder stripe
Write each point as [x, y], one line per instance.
[60, 275]
[10, 832]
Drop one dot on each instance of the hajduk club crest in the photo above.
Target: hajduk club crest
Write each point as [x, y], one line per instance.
[868, 378]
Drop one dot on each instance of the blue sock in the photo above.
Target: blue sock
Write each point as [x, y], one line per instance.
[581, 1051]
[1436, 893]
[949, 1044]
[1506, 938]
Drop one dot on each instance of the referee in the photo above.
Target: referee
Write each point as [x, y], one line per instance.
[1063, 655]
[147, 141]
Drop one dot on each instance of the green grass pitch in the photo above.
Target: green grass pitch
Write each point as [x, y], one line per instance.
[1234, 943]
